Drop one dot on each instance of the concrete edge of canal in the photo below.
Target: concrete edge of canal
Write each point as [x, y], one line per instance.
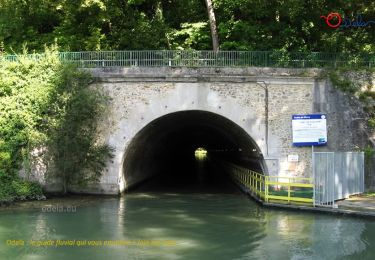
[336, 211]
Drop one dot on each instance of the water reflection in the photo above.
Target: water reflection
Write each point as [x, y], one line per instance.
[202, 226]
[214, 222]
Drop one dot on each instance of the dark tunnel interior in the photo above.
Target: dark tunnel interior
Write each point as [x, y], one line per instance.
[162, 156]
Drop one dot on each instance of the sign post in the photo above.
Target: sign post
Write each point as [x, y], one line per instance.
[313, 172]
[310, 130]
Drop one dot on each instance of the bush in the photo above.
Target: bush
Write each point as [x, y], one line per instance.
[342, 83]
[45, 103]
[13, 188]
[371, 123]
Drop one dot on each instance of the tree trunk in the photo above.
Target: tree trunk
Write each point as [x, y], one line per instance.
[211, 16]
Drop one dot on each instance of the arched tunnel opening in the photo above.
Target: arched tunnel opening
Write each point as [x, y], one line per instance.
[180, 152]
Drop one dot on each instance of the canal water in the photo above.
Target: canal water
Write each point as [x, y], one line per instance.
[168, 225]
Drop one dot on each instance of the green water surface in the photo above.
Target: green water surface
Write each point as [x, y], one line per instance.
[159, 225]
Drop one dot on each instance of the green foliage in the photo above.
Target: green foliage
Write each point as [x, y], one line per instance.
[286, 25]
[343, 83]
[190, 36]
[26, 89]
[368, 94]
[369, 194]
[369, 152]
[72, 139]
[341, 79]
[44, 103]
[13, 188]
[371, 123]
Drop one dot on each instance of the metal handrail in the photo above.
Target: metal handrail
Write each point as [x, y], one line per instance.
[261, 185]
[194, 58]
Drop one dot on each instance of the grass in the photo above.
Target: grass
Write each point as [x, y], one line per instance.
[368, 194]
[294, 193]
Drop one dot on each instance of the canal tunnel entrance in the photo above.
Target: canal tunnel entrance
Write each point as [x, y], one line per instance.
[179, 151]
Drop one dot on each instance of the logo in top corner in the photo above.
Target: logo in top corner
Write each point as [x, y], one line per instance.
[334, 20]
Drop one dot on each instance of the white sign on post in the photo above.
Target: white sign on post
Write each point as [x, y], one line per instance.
[309, 130]
[293, 158]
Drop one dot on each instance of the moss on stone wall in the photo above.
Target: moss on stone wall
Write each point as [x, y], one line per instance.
[359, 83]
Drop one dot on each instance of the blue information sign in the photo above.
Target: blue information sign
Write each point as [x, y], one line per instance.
[309, 130]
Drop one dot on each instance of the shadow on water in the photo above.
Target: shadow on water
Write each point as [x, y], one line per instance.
[206, 226]
[200, 208]
[210, 219]
[202, 214]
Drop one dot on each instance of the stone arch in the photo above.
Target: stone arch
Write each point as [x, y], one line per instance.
[168, 143]
[178, 97]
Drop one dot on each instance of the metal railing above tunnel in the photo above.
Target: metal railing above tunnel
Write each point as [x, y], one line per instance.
[196, 58]
[275, 189]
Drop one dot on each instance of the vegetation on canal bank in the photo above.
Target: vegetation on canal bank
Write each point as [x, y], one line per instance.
[46, 105]
[13, 188]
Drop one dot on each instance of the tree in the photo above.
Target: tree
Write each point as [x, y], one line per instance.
[83, 25]
[212, 19]
[47, 104]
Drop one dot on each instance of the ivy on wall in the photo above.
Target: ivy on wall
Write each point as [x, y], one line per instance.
[362, 87]
[44, 103]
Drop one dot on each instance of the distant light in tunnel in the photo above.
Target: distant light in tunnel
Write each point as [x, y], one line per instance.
[200, 153]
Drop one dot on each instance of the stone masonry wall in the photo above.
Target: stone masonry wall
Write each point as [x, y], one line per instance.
[140, 95]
